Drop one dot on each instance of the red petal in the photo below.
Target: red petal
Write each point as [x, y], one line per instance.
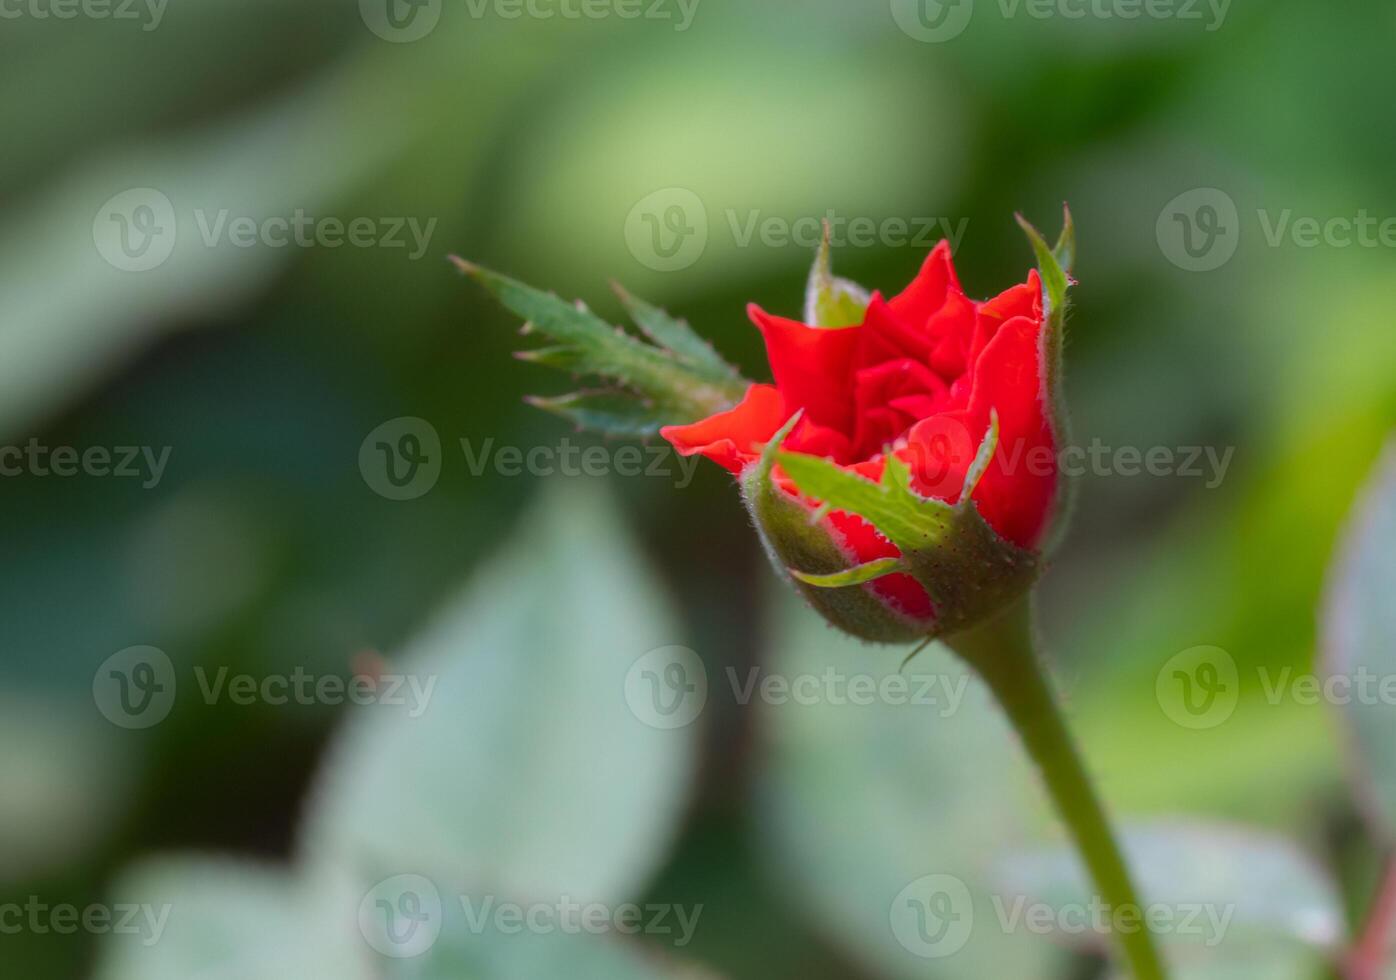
[813, 366]
[733, 438]
[887, 336]
[819, 440]
[927, 292]
[1016, 494]
[939, 451]
[882, 395]
[1024, 299]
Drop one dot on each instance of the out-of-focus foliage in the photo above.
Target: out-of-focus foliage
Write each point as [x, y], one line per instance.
[497, 809]
[1360, 633]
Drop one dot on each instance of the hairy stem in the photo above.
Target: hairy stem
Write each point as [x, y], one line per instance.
[1003, 653]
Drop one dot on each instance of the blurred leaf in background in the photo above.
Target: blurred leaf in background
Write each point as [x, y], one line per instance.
[502, 768]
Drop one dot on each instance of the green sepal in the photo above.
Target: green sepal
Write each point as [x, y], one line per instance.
[1054, 266]
[831, 301]
[857, 575]
[669, 382]
[969, 572]
[796, 536]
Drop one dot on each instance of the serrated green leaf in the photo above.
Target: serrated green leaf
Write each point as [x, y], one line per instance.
[609, 412]
[685, 392]
[831, 301]
[676, 335]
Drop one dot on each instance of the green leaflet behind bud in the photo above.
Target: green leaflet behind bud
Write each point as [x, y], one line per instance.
[829, 300]
[677, 378]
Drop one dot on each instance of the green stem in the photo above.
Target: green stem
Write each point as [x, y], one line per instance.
[1003, 653]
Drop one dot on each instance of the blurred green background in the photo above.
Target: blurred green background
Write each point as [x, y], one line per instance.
[534, 145]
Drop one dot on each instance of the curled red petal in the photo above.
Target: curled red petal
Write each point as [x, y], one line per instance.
[887, 336]
[890, 397]
[1017, 490]
[813, 366]
[939, 451]
[733, 438]
[1024, 299]
[810, 437]
[928, 291]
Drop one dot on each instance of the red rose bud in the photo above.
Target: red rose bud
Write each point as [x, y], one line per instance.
[903, 466]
